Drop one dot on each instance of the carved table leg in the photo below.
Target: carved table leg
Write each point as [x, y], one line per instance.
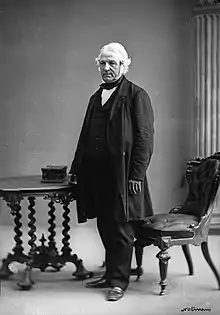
[163, 257]
[66, 250]
[5, 272]
[27, 282]
[52, 226]
[81, 272]
[13, 201]
[52, 243]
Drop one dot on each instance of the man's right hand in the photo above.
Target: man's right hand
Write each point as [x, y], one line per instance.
[134, 186]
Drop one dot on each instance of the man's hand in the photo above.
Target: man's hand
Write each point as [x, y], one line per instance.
[134, 186]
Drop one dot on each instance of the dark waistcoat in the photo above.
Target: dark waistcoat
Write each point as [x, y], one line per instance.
[97, 145]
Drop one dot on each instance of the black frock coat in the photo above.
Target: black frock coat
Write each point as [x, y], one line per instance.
[130, 132]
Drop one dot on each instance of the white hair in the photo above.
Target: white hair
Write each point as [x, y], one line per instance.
[120, 51]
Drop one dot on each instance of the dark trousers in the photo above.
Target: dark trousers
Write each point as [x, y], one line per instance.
[117, 238]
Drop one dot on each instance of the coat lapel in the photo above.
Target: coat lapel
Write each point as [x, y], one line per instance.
[90, 108]
[120, 97]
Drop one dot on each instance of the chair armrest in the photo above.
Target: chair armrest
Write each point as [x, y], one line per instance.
[175, 209]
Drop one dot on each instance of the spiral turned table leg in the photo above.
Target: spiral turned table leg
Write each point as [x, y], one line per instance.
[52, 226]
[31, 225]
[66, 250]
[81, 272]
[27, 282]
[14, 203]
[53, 252]
[18, 249]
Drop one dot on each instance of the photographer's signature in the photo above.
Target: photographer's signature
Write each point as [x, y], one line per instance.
[195, 309]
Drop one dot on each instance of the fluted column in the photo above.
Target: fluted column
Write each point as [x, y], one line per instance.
[207, 84]
[207, 76]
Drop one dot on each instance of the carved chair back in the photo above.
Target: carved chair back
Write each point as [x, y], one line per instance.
[203, 178]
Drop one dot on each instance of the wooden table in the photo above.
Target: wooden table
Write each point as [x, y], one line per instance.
[13, 190]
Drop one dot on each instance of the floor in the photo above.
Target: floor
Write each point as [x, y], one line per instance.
[58, 293]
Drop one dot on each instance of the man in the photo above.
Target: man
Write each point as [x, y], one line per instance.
[113, 152]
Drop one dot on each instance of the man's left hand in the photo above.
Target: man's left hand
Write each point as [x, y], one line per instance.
[134, 186]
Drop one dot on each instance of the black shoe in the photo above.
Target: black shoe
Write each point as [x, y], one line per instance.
[115, 294]
[98, 284]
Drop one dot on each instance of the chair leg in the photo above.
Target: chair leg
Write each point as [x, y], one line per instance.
[163, 257]
[188, 257]
[139, 250]
[206, 254]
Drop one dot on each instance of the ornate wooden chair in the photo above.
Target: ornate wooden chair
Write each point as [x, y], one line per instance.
[185, 225]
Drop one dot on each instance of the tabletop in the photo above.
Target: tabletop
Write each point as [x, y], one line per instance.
[29, 183]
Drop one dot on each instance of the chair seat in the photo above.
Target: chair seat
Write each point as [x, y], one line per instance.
[175, 225]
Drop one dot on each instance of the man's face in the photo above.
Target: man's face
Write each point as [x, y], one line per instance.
[110, 67]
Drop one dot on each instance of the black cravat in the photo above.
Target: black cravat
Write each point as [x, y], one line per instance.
[109, 86]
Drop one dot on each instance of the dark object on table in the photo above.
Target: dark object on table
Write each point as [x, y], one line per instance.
[54, 173]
